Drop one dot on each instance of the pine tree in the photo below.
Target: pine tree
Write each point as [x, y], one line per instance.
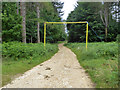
[23, 14]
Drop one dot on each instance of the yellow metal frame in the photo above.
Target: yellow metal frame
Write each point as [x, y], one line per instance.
[65, 23]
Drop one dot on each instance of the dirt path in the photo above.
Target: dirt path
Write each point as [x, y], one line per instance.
[61, 71]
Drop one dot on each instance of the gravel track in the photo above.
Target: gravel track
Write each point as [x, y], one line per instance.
[61, 71]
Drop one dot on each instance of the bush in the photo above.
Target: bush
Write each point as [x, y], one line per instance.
[95, 50]
[21, 50]
[118, 38]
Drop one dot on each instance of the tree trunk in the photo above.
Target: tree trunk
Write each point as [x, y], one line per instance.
[17, 4]
[106, 21]
[31, 39]
[23, 14]
[38, 25]
[106, 33]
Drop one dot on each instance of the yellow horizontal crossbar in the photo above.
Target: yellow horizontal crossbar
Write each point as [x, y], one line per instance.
[64, 22]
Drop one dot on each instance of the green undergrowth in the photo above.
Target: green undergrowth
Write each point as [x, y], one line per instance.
[19, 57]
[100, 62]
[59, 42]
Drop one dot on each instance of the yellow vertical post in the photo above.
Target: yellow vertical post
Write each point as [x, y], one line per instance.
[86, 35]
[44, 34]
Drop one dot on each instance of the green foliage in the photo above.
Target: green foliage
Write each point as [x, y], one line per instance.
[100, 61]
[87, 11]
[31, 24]
[18, 50]
[54, 32]
[48, 13]
[11, 22]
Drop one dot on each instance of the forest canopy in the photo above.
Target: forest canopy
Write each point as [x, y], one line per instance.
[102, 18]
[26, 21]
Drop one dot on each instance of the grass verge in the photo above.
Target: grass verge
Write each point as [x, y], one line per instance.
[15, 64]
[100, 62]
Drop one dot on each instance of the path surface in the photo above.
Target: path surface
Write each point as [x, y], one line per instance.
[61, 71]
